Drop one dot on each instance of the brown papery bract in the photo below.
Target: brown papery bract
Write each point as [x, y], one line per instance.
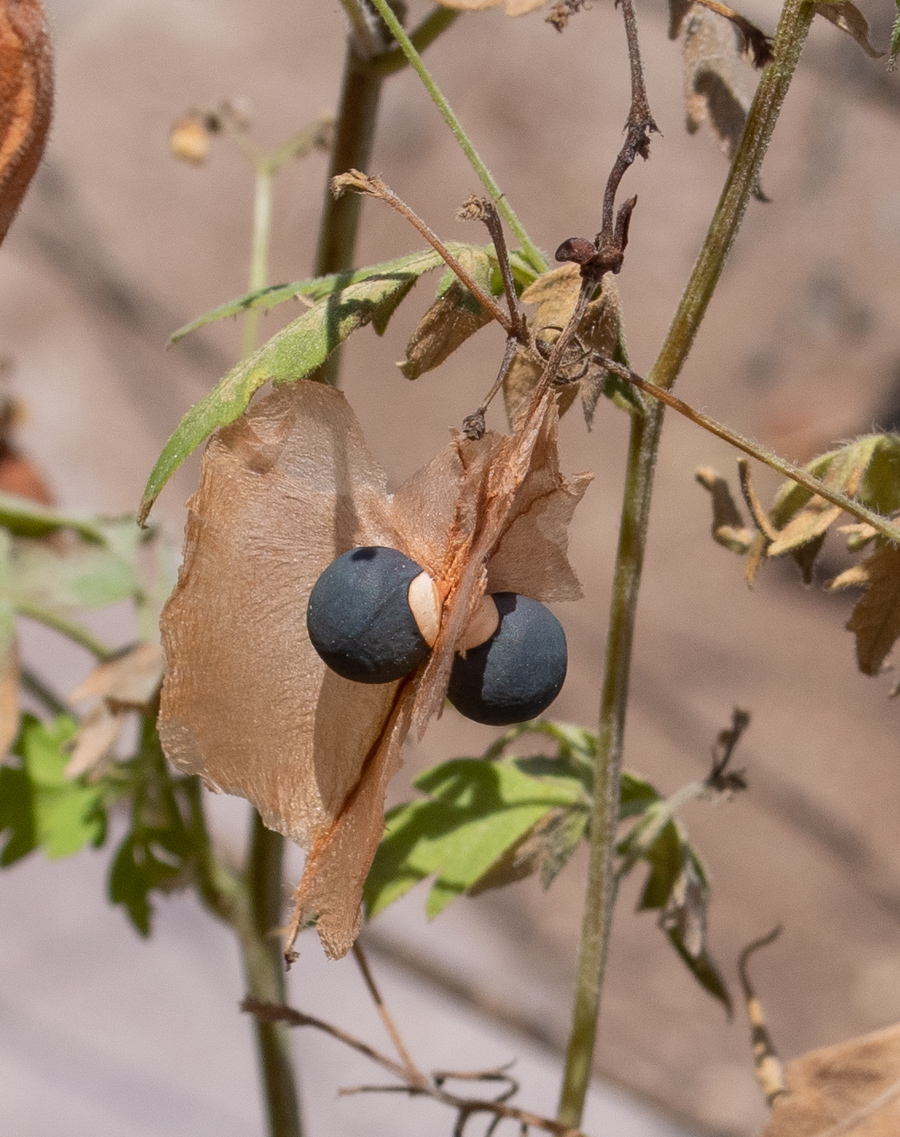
[248, 704]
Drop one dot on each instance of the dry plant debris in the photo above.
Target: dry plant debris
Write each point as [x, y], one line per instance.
[248, 704]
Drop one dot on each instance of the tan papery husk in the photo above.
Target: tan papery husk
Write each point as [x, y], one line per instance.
[248, 704]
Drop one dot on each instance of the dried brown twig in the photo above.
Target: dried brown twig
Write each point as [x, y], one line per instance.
[409, 1078]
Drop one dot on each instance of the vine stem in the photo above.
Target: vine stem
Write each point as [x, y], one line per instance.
[646, 429]
[529, 250]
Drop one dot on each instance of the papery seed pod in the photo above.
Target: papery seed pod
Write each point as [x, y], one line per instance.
[516, 673]
[373, 615]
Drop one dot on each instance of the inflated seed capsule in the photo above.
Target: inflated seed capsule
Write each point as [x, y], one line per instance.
[373, 615]
[518, 672]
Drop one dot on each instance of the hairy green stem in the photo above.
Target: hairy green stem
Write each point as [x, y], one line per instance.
[643, 449]
[529, 250]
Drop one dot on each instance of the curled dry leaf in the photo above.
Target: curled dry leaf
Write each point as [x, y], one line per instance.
[849, 19]
[248, 704]
[875, 621]
[26, 100]
[852, 1088]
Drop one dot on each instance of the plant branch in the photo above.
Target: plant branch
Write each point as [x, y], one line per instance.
[464, 1107]
[422, 37]
[643, 449]
[377, 188]
[69, 628]
[761, 453]
[413, 1073]
[529, 250]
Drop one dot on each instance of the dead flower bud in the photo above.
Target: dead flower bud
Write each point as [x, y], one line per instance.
[247, 702]
[189, 139]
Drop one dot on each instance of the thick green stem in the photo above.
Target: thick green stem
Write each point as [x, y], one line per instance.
[643, 449]
[264, 970]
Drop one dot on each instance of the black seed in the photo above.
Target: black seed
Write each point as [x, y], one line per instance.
[518, 672]
[359, 620]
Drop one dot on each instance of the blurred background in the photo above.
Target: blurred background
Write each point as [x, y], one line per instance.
[118, 244]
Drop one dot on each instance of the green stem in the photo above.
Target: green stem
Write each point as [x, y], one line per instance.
[259, 257]
[35, 686]
[68, 628]
[643, 449]
[529, 250]
[264, 969]
[435, 24]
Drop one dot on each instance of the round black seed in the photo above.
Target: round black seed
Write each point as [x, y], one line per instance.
[518, 672]
[359, 620]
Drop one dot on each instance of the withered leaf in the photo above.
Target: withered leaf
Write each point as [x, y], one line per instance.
[453, 317]
[9, 655]
[851, 1088]
[728, 526]
[715, 91]
[846, 16]
[129, 682]
[247, 703]
[26, 100]
[875, 620]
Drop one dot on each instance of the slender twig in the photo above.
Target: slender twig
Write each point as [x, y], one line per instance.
[769, 1073]
[35, 686]
[66, 627]
[774, 461]
[529, 249]
[259, 257]
[473, 424]
[377, 188]
[643, 449]
[464, 1107]
[413, 1074]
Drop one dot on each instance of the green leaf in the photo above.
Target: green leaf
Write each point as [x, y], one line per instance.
[24, 518]
[291, 354]
[40, 806]
[149, 860]
[478, 810]
[317, 288]
[665, 859]
[87, 576]
[16, 815]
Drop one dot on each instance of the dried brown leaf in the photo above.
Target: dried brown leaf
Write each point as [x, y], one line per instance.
[247, 703]
[849, 19]
[875, 620]
[714, 90]
[852, 1088]
[130, 682]
[450, 321]
[727, 524]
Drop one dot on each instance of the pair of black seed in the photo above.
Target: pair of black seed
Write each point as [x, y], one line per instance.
[362, 624]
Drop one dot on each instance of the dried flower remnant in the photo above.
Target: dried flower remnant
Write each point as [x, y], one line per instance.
[248, 704]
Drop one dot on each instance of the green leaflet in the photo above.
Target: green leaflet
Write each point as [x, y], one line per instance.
[477, 811]
[39, 806]
[25, 518]
[317, 288]
[150, 859]
[895, 38]
[351, 301]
